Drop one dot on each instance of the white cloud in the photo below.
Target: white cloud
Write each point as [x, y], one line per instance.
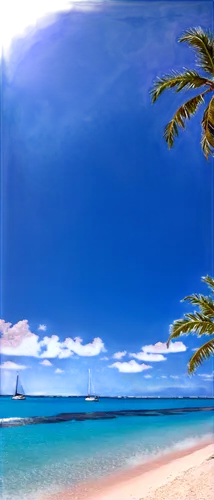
[175, 377]
[144, 356]
[129, 366]
[161, 348]
[92, 349]
[53, 346]
[195, 349]
[119, 354]
[104, 358]
[18, 340]
[163, 376]
[207, 376]
[65, 353]
[58, 370]
[42, 328]
[147, 376]
[9, 365]
[154, 353]
[46, 363]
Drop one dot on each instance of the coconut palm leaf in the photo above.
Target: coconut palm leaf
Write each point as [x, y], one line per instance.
[191, 323]
[204, 352]
[203, 43]
[207, 123]
[185, 112]
[200, 323]
[190, 79]
[209, 281]
[206, 304]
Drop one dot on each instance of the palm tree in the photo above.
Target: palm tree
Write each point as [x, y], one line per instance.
[200, 323]
[203, 44]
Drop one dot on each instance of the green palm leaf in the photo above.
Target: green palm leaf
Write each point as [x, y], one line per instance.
[185, 112]
[205, 304]
[207, 141]
[191, 323]
[209, 281]
[203, 43]
[200, 323]
[204, 352]
[190, 79]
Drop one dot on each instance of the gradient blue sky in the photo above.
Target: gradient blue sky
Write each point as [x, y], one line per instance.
[104, 229]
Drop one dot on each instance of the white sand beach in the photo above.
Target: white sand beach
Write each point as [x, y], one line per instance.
[186, 475]
[185, 478]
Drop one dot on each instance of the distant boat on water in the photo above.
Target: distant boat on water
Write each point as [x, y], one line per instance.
[19, 392]
[91, 396]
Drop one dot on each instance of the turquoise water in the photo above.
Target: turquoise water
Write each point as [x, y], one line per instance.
[51, 457]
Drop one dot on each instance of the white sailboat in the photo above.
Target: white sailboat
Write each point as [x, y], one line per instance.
[91, 397]
[19, 393]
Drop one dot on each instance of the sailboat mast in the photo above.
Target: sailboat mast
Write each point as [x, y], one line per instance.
[89, 382]
[17, 379]
[19, 393]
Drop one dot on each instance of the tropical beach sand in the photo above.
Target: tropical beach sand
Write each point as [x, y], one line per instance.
[196, 483]
[185, 475]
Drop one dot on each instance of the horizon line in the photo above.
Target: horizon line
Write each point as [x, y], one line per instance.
[112, 397]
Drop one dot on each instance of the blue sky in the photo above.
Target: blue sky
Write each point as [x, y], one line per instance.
[104, 230]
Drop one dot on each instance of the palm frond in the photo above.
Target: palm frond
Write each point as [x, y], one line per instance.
[205, 304]
[190, 79]
[207, 141]
[199, 323]
[204, 352]
[203, 43]
[185, 112]
[191, 323]
[209, 281]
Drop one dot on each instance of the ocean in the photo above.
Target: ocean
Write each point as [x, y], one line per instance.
[50, 457]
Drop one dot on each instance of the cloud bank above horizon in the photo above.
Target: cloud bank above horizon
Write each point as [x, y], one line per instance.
[19, 340]
[130, 366]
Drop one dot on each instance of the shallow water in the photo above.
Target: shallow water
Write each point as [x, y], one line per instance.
[51, 457]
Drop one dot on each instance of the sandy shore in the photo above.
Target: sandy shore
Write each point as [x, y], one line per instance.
[185, 475]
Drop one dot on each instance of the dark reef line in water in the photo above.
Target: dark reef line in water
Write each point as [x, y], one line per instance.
[102, 415]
